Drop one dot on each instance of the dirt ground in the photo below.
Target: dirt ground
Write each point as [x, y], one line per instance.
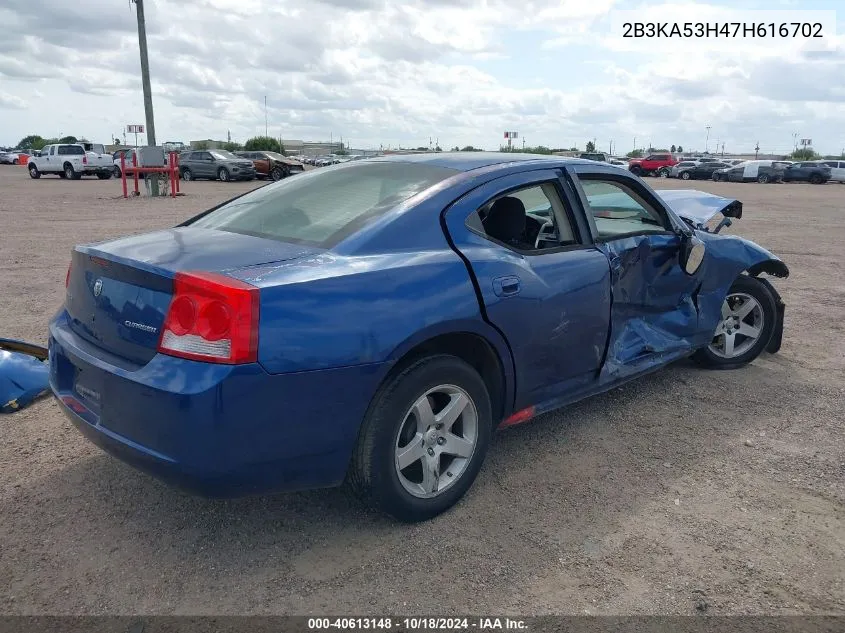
[688, 491]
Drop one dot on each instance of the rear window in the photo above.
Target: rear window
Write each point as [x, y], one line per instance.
[320, 208]
[71, 150]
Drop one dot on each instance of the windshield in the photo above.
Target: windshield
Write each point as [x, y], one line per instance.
[274, 156]
[222, 154]
[320, 208]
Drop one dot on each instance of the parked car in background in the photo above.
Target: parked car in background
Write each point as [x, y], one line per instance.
[653, 165]
[215, 164]
[810, 171]
[599, 157]
[201, 364]
[272, 164]
[837, 169]
[127, 156]
[761, 171]
[12, 157]
[701, 171]
[70, 161]
[683, 165]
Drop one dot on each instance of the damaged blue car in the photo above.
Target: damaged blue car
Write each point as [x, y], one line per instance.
[374, 322]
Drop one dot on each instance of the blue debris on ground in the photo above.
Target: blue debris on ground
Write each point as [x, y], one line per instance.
[24, 374]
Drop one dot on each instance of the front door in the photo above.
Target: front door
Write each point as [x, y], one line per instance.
[654, 317]
[542, 284]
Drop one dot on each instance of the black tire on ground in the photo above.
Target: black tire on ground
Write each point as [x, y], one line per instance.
[816, 179]
[277, 173]
[34, 173]
[763, 179]
[754, 288]
[69, 171]
[187, 174]
[373, 473]
[717, 177]
[104, 175]
[15, 161]
[116, 171]
[685, 175]
[663, 172]
[223, 174]
[637, 171]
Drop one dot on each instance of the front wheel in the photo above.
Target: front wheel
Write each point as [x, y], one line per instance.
[15, 161]
[187, 174]
[116, 171]
[423, 440]
[685, 175]
[223, 174]
[816, 179]
[717, 177]
[745, 326]
[277, 174]
[34, 173]
[663, 173]
[637, 171]
[763, 179]
[104, 175]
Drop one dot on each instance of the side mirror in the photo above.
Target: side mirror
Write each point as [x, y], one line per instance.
[692, 254]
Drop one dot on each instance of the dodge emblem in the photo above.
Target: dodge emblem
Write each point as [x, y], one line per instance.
[98, 287]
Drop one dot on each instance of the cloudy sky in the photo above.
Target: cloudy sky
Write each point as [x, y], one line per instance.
[397, 72]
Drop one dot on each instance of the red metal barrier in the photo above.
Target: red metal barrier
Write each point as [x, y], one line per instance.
[171, 169]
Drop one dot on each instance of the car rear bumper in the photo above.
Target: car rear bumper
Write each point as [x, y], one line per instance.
[215, 430]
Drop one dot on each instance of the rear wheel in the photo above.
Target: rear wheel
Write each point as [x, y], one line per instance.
[187, 174]
[763, 178]
[717, 177]
[223, 174]
[15, 161]
[816, 179]
[685, 175]
[745, 326]
[34, 173]
[104, 175]
[423, 440]
[663, 172]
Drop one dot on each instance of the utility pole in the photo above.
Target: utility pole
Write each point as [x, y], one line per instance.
[707, 140]
[795, 141]
[266, 132]
[145, 82]
[635, 143]
[756, 150]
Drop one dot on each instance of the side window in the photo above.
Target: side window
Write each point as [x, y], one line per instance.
[619, 210]
[530, 219]
[52, 150]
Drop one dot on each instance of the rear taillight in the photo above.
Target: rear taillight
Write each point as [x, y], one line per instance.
[212, 318]
[67, 276]
[84, 159]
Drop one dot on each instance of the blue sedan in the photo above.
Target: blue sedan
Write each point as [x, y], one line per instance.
[374, 322]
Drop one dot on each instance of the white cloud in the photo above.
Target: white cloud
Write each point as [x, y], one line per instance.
[399, 71]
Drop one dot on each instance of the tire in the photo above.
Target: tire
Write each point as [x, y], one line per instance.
[762, 317]
[663, 172]
[34, 173]
[223, 174]
[70, 173]
[816, 179]
[763, 179]
[685, 175]
[392, 426]
[717, 177]
[277, 174]
[104, 176]
[116, 171]
[637, 171]
[15, 161]
[187, 174]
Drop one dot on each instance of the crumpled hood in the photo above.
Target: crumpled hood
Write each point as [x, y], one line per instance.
[698, 206]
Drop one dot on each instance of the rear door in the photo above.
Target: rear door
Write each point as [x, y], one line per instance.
[654, 318]
[549, 294]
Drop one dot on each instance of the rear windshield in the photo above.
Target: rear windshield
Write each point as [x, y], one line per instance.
[320, 208]
[71, 149]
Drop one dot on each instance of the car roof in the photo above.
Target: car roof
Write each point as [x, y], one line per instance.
[466, 161]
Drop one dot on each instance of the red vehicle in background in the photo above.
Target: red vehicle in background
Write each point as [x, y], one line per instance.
[653, 165]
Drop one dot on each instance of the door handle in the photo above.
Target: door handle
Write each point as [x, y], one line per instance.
[506, 286]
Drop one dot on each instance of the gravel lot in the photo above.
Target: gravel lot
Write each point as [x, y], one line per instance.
[683, 492]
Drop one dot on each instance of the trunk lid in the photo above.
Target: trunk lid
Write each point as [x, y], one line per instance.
[119, 291]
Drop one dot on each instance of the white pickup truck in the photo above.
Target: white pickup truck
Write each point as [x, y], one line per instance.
[72, 161]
